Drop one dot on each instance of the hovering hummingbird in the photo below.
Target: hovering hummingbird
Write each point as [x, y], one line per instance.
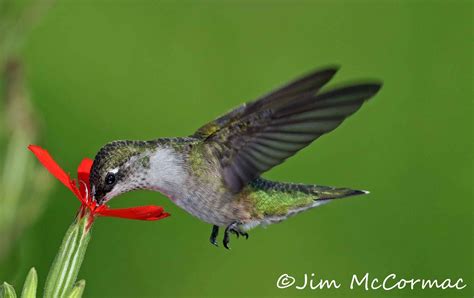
[214, 174]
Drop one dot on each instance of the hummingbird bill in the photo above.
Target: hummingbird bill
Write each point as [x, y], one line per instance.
[215, 173]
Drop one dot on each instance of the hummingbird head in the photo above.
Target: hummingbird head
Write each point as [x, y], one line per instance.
[118, 168]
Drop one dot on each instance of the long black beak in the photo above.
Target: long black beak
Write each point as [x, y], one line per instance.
[100, 200]
[99, 197]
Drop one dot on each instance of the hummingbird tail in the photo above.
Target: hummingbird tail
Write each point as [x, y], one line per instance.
[278, 201]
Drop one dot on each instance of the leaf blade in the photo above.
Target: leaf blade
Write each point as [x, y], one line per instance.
[77, 290]
[31, 283]
[7, 291]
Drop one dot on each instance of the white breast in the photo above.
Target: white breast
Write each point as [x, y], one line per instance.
[166, 173]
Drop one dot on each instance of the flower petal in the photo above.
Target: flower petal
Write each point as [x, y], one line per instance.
[48, 162]
[83, 172]
[141, 212]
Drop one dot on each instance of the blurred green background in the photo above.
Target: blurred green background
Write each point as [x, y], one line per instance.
[106, 70]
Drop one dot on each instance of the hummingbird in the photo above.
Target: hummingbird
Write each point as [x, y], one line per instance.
[215, 173]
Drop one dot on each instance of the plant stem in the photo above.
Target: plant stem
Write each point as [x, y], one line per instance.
[63, 272]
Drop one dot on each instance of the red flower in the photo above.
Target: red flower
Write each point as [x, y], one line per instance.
[83, 192]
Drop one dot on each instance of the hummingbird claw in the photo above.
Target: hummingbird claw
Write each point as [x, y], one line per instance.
[235, 233]
[234, 229]
[225, 241]
[214, 233]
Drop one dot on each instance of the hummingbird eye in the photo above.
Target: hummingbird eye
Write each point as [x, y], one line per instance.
[110, 179]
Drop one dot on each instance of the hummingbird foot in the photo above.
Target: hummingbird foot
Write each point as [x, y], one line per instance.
[233, 228]
[213, 238]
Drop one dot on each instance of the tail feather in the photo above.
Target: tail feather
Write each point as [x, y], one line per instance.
[330, 193]
[318, 191]
[276, 201]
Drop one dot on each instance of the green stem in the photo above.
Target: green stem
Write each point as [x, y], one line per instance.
[66, 265]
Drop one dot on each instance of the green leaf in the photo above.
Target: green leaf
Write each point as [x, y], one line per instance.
[63, 272]
[7, 291]
[78, 289]
[31, 282]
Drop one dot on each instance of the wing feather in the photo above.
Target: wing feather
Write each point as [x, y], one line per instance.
[259, 135]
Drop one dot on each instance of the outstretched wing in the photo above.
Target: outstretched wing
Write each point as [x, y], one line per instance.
[261, 134]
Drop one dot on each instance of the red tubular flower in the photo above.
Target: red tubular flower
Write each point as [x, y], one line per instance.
[83, 191]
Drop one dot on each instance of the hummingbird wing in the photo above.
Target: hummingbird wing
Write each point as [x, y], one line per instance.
[261, 134]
